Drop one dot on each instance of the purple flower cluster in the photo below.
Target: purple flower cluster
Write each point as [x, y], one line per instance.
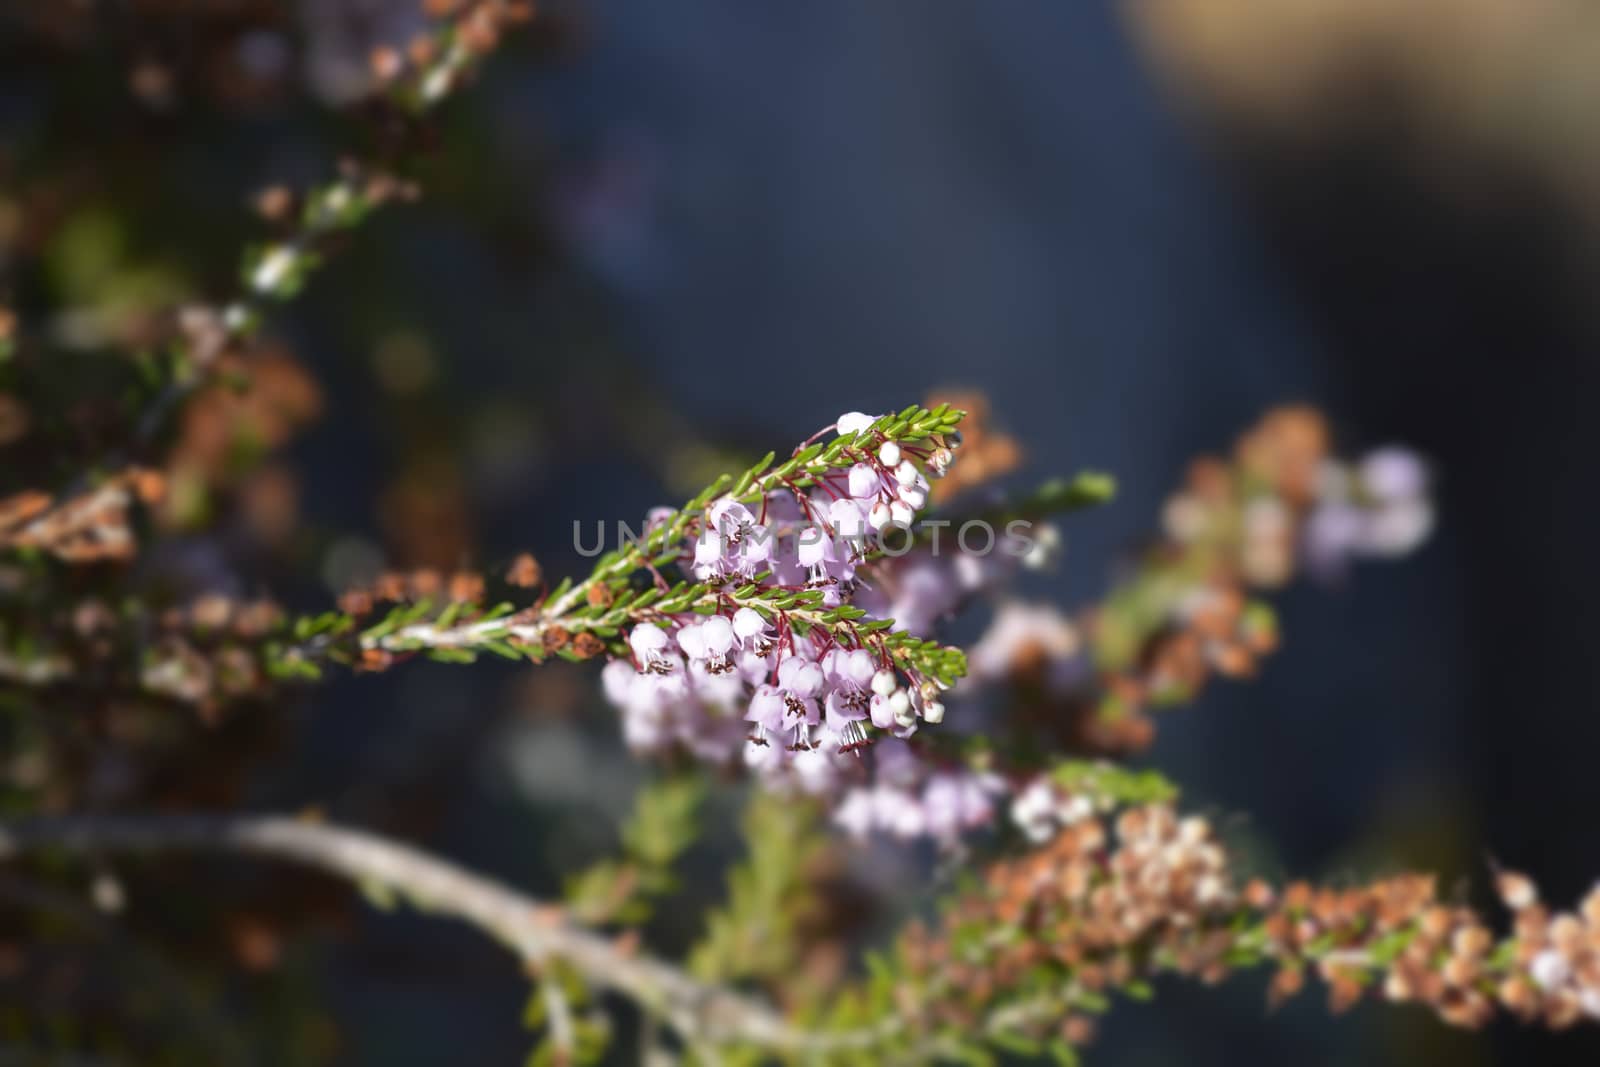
[1379, 507]
[788, 663]
[919, 589]
[817, 541]
[908, 798]
[794, 700]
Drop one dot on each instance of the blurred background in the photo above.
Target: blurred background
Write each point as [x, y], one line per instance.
[658, 237]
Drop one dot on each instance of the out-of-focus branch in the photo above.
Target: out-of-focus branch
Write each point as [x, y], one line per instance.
[537, 933]
[88, 527]
[1100, 911]
[438, 65]
[1191, 607]
[215, 650]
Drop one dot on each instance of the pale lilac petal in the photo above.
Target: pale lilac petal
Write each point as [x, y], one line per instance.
[814, 546]
[766, 708]
[747, 623]
[859, 667]
[864, 481]
[646, 640]
[617, 680]
[716, 634]
[839, 712]
[692, 640]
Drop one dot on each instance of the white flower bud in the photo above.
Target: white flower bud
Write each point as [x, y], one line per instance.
[107, 894]
[933, 713]
[1549, 969]
[907, 473]
[901, 514]
[885, 682]
[1075, 808]
[880, 516]
[747, 622]
[273, 269]
[889, 454]
[1046, 547]
[437, 83]
[853, 422]
[913, 497]
[337, 198]
[237, 316]
[899, 705]
[863, 481]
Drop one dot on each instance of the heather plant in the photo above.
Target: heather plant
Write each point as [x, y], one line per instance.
[782, 633]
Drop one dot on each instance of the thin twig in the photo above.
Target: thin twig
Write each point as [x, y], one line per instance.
[700, 1013]
[558, 1018]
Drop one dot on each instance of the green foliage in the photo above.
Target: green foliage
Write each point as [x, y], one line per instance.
[1111, 785]
[1140, 607]
[801, 470]
[1057, 496]
[754, 935]
[572, 1031]
[664, 823]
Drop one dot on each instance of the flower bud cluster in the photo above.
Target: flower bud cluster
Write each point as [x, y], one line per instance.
[1378, 508]
[1108, 904]
[909, 799]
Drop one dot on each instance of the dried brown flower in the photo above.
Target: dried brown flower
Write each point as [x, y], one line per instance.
[1165, 898]
[276, 203]
[466, 587]
[986, 454]
[14, 420]
[586, 645]
[387, 64]
[91, 527]
[524, 572]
